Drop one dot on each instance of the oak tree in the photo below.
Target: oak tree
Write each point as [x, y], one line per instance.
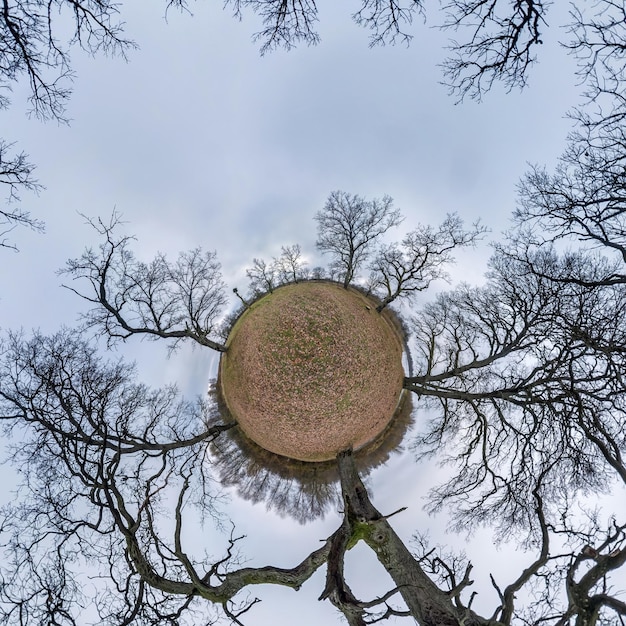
[160, 299]
[348, 228]
[524, 380]
[401, 270]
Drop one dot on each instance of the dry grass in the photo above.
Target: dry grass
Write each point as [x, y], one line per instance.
[311, 370]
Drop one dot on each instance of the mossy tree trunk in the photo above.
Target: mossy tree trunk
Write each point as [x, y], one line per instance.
[427, 603]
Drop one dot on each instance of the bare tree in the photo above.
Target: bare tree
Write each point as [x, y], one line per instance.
[493, 41]
[262, 277]
[36, 40]
[287, 23]
[103, 455]
[499, 43]
[348, 227]
[319, 273]
[597, 36]
[500, 46]
[104, 458]
[180, 300]
[581, 204]
[525, 376]
[527, 372]
[290, 265]
[16, 174]
[31, 33]
[401, 271]
[530, 408]
[584, 200]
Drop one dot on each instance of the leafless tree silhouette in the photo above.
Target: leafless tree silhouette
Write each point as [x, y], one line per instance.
[159, 299]
[524, 378]
[402, 270]
[289, 267]
[16, 175]
[495, 41]
[348, 228]
[35, 42]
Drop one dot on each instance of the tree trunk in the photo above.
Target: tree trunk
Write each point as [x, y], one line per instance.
[428, 604]
[386, 301]
[347, 279]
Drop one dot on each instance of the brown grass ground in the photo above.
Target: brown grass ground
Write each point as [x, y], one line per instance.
[311, 370]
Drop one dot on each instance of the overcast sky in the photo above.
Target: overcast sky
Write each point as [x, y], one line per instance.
[199, 141]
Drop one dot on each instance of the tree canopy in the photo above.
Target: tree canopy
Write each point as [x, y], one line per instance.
[523, 378]
[492, 41]
[523, 375]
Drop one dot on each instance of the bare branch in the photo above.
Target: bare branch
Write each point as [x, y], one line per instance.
[180, 300]
[16, 175]
[500, 46]
[403, 271]
[387, 19]
[31, 46]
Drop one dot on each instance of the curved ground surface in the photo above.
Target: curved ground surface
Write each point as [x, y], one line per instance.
[312, 369]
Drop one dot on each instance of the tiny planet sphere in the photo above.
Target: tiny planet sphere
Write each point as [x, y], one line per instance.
[312, 369]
